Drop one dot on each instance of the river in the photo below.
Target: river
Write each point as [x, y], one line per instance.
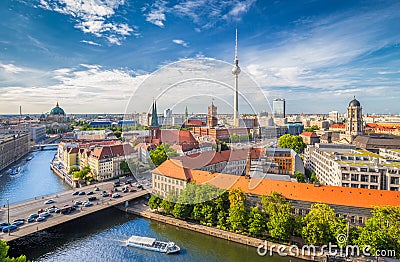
[101, 236]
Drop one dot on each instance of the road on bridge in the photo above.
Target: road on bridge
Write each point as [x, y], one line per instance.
[24, 209]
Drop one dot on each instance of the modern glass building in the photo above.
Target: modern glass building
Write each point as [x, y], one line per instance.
[279, 108]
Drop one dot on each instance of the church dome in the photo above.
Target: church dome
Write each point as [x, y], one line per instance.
[57, 111]
[354, 102]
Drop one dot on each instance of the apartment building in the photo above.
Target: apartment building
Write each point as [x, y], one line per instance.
[344, 165]
[12, 148]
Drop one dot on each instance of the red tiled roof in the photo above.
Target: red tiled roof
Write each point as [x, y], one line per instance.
[194, 122]
[170, 136]
[310, 134]
[344, 196]
[338, 126]
[112, 151]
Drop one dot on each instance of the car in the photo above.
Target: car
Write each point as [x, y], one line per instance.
[19, 219]
[31, 219]
[44, 214]
[33, 215]
[132, 190]
[57, 210]
[40, 211]
[139, 186]
[9, 228]
[51, 210]
[88, 204]
[125, 190]
[90, 193]
[93, 198]
[117, 184]
[78, 202]
[115, 195]
[49, 201]
[82, 193]
[75, 193]
[104, 194]
[3, 224]
[40, 219]
[97, 189]
[18, 223]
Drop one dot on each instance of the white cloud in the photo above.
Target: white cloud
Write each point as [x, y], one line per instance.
[93, 17]
[11, 68]
[180, 42]
[204, 13]
[90, 42]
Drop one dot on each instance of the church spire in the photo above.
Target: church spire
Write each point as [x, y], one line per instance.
[154, 117]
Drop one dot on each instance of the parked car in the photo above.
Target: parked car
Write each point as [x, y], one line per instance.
[82, 193]
[49, 201]
[75, 193]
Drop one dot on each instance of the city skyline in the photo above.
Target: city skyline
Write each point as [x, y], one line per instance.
[316, 55]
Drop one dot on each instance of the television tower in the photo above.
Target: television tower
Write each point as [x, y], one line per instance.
[236, 72]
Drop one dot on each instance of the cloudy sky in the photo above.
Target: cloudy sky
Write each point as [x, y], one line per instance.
[93, 55]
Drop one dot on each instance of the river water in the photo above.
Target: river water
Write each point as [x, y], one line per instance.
[101, 236]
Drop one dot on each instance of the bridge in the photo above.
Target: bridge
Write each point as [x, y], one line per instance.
[24, 209]
[41, 147]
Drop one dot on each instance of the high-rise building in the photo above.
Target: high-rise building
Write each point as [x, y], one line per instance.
[167, 113]
[212, 119]
[236, 71]
[334, 116]
[354, 124]
[279, 108]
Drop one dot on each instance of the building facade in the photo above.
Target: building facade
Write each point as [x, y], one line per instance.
[344, 165]
[13, 148]
[279, 108]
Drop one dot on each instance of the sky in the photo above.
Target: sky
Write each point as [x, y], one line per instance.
[115, 56]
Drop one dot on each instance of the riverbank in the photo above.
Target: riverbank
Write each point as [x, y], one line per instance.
[64, 176]
[143, 211]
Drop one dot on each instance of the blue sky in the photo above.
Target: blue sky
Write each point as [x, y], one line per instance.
[90, 56]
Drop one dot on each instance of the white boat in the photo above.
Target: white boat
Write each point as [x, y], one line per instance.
[15, 171]
[152, 244]
[29, 158]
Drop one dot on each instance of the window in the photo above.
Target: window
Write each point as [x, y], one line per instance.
[360, 220]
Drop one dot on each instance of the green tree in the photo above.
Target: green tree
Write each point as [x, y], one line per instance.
[280, 218]
[125, 167]
[4, 254]
[154, 201]
[73, 169]
[83, 174]
[313, 177]
[161, 153]
[293, 142]
[311, 129]
[382, 230]
[167, 204]
[321, 225]
[301, 178]
[256, 225]
[237, 211]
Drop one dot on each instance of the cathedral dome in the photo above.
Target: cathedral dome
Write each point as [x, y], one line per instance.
[354, 102]
[57, 111]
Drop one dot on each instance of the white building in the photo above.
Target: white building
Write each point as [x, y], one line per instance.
[344, 165]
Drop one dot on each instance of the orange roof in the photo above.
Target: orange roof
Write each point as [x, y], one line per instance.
[338, 126]
[335, 195]
[310, 134]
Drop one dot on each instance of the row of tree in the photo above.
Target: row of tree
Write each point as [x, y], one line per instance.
[273, 218]
[4, 254]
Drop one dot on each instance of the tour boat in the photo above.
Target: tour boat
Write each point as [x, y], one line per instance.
[29, 158]
[15, 171]
[152, 244]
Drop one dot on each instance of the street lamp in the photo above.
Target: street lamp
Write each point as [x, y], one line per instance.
[8, 215]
